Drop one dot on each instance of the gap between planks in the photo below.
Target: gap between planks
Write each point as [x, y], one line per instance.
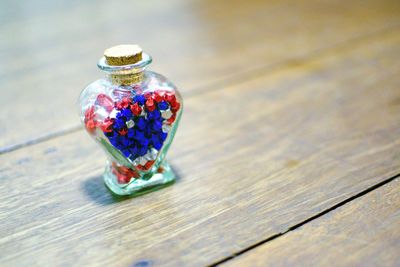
[238, 78]
[312, 218]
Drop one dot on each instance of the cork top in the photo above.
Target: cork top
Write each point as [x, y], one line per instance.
[123, 55]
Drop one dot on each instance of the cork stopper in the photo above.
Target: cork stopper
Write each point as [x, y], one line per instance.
[123, 55]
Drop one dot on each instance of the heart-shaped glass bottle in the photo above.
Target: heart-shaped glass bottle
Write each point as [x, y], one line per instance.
[133, 113]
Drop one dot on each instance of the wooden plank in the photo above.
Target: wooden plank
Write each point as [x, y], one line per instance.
[364, 232]
[254, 159]
[51, 49]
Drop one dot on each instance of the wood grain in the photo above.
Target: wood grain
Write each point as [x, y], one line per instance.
[254, 159]
[50, 49]
[365, 232]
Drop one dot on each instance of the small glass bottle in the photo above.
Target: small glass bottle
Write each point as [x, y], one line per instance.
[133, 113]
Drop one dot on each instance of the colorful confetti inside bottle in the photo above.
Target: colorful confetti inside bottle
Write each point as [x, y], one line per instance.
[133, 113]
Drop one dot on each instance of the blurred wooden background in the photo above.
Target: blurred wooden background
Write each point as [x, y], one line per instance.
[287, 153]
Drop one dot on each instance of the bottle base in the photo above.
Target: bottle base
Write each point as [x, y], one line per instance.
[140, 186]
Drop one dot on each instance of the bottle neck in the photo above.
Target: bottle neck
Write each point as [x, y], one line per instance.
[126, 78]
[125, 74]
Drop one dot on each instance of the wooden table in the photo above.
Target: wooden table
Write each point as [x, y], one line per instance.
[288, 152]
